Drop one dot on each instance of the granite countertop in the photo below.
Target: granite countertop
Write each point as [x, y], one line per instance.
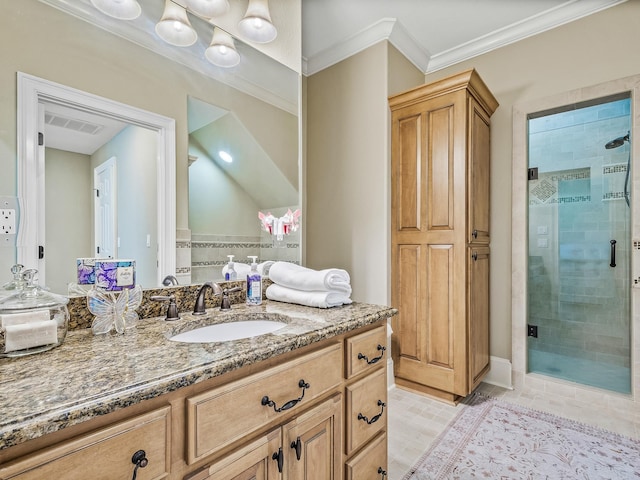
[90, 375]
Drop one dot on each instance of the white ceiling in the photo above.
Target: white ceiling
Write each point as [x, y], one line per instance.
[433, 34]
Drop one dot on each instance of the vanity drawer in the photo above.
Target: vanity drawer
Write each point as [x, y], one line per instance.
[371, 462]
[105, 453]
[366, 409]
[226, 414]
[365, 351]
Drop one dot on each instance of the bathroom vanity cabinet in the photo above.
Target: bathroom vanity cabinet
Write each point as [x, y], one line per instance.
[315, 412]
[440, 235]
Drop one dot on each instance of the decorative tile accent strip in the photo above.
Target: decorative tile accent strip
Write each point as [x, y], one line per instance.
[617, 168]
[576, 199]
[544, 191]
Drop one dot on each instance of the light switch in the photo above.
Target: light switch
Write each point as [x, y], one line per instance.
[543, 243]
[543, 230]
[148, 240]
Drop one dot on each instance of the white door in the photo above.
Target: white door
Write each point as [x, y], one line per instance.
[104, 186]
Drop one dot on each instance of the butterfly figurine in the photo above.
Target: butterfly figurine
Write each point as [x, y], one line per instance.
[114, 310]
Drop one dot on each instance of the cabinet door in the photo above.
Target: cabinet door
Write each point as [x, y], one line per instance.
[105, 454]
[478, 314]
[478, 177]
[254, 461]
[312, 443]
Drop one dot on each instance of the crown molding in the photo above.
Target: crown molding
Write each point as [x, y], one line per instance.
[384, 29]
[392, 30]
[528, 27]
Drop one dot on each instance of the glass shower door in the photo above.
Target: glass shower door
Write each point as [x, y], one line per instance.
[579, 245]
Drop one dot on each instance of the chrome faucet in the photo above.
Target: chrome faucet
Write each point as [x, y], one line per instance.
[200, 309]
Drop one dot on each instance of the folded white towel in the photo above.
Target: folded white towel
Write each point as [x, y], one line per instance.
[288, 274]
[319, 299]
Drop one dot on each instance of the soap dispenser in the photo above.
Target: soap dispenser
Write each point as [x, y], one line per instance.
[254, 283]
[230, 273]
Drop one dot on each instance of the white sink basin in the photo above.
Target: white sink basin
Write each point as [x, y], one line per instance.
[224, 332]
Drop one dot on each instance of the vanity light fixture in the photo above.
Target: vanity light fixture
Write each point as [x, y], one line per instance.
[174, 26]
[208, 8]
[256, 24]
[222, 51]
[120, 9]
[225, 156]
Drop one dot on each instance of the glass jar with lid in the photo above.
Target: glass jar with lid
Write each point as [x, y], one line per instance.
[32, 319]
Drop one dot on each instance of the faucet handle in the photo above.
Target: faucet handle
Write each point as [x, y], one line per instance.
[226, 303]
[172, 309]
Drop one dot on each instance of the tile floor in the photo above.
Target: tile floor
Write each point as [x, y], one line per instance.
[415, 420]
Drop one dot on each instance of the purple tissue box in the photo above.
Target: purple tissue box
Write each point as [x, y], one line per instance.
[115, 274]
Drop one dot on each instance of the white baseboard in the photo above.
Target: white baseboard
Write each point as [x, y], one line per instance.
[499, 373]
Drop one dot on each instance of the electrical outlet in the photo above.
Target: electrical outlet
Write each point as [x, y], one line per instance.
[7, 221]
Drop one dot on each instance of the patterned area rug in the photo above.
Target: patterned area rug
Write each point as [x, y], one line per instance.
[492, 439]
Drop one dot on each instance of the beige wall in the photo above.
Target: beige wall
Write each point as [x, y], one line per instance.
[348, 171]
[586, 52]
[42, 41]
[348, 168]
[68, 195]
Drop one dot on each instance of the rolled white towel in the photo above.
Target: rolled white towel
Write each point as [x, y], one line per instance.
[295, 276]
[242, 269]
[319, 299]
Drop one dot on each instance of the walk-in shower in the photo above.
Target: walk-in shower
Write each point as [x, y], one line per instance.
[580, 244]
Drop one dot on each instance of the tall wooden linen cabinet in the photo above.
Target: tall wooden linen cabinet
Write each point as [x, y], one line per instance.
[440, 235]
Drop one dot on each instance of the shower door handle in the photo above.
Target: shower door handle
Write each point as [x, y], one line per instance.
[613, 253]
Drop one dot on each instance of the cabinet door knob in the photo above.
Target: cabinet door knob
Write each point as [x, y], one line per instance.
[297, 445]
[475, 233]
[474, 255]
[290, 404]
[139, 459]
[279, 457]
[362, 356]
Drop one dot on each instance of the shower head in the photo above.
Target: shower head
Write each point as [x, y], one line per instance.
[617, 142]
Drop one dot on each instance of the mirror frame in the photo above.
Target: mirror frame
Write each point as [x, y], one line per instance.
[30, 169]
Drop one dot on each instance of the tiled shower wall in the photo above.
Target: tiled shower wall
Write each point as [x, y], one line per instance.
[579, 302]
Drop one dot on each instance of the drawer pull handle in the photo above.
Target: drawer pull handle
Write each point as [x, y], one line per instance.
[377, 417]
[291, 403]
[279, 457]
[297, 445]
[382, 472]
[362, 356]
[139, 459]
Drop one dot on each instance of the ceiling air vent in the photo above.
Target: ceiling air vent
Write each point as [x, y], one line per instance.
[82, 126]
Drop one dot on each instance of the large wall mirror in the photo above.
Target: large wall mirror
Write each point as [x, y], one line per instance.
[167, 224]
[235, 172]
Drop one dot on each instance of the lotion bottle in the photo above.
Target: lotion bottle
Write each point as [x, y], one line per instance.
[230, 274]
[254, 283]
